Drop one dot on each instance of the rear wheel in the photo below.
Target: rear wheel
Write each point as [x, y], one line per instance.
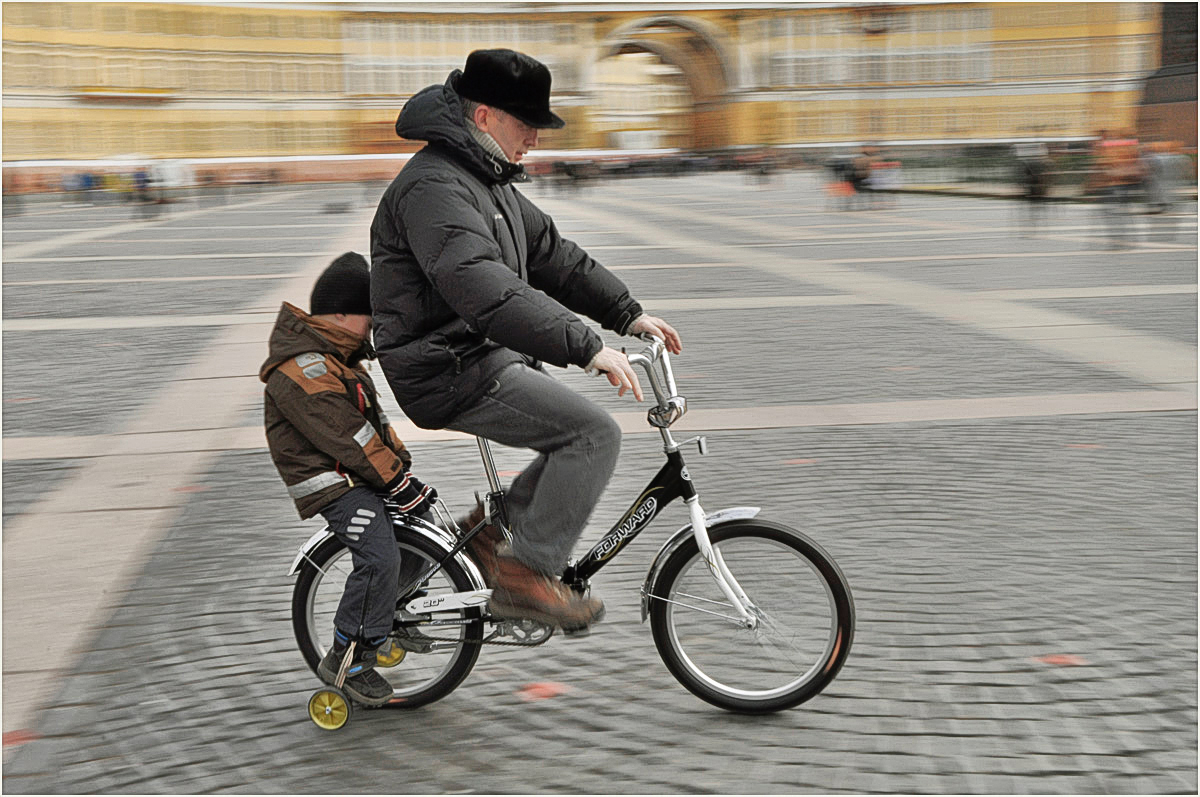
[438, 657]
[803, 607]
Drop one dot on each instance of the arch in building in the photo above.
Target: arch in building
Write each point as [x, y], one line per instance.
[698, 48]
[694, 45]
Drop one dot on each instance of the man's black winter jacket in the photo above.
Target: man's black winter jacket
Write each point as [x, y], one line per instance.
[468, 276]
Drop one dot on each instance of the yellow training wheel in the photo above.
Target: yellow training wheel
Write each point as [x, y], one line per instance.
[389, 655]
[329, 709]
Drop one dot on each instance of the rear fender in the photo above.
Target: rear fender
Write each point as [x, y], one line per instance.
[402, 525]
[307, 549]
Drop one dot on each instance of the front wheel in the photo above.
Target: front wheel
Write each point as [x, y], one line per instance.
[803, 607]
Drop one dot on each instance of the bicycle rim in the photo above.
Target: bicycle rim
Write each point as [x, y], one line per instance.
[420, 677]
[804, 628]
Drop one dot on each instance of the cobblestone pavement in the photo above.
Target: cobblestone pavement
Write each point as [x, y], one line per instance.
[1025, 583]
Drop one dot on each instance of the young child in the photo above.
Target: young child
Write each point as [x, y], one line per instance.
[337, 455]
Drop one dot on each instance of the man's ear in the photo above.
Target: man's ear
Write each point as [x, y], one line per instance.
[481, 117]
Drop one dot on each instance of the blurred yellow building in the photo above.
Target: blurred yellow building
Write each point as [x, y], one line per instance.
[105, 80]
[641, 103]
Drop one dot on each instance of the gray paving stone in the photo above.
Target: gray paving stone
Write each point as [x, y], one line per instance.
[1169, 316]
[27, 480]
[32, 271]
[543, 723]
[1086, 271]
[138, 299]
[700, 283]
[79, 382]
[834, 355]
[977, 551]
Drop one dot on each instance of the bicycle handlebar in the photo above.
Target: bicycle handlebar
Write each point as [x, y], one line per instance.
[671, 406]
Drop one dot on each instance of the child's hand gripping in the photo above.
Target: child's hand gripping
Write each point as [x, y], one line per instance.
[413, 495]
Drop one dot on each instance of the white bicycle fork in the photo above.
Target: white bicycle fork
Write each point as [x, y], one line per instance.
[717, 567]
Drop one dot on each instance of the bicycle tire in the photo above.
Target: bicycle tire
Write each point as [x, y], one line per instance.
[421, 678]
[806, 625]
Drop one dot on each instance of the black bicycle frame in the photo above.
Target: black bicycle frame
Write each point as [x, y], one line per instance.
[672, 481]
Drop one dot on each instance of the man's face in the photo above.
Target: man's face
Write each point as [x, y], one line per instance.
[514, 136]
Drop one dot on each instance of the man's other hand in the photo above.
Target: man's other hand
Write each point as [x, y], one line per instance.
[648, 324]
[616, 367]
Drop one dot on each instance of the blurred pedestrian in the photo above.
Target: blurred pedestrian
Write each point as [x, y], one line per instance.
[109, 187]
[338, 455]
[760, 167]
[838, 190]
[860, 171]
[88, 186]
[143, 192]
[1033, 177]
[860, 177]
[1120, 177]
[74, 186]
[884, 181]
[1165, 171]
[14, 198]
[473, 288]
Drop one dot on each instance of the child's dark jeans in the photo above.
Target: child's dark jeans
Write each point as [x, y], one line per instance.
[360, 520]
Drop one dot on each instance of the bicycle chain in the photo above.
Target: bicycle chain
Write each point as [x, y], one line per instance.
[495, 642]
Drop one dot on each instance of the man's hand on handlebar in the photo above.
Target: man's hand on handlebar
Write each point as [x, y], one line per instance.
[650, 325]
[616, 367]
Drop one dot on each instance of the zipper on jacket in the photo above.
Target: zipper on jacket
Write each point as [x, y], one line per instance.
[337, 466]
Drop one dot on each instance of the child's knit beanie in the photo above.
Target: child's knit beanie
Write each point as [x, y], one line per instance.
[344, 287]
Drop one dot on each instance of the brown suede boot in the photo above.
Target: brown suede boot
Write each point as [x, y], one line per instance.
[482, 547]
[522, 592]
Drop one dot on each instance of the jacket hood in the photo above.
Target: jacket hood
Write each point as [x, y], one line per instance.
[434, 114]
[296, 332]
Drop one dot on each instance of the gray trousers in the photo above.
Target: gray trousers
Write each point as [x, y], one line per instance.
[577, 444]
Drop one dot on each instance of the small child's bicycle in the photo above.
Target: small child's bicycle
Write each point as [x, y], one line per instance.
[749, 615]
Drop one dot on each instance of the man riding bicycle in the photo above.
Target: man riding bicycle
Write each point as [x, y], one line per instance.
[472, 289]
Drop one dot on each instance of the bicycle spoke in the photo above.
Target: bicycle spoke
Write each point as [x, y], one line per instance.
[726, 604]
[787, 647]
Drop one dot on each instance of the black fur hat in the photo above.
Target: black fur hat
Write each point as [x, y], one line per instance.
[512, 82]
[344, 287]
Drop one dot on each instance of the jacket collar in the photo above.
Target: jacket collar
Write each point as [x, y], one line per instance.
[345, 341]
[434, 114]
[296, 332]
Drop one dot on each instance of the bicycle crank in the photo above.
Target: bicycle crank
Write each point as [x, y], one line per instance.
[525, 634]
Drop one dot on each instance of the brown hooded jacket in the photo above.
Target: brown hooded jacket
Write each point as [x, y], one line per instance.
[325, 428]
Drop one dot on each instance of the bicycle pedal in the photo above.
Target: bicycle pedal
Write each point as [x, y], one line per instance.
[526, 632]
[414, 642]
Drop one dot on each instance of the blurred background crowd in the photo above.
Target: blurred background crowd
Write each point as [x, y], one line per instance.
[151, 102]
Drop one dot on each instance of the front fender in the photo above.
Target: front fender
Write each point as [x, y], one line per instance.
[402, 524]
[683, 535]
